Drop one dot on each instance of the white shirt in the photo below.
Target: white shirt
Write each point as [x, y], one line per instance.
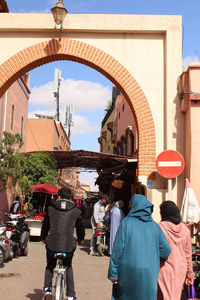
[99, 212]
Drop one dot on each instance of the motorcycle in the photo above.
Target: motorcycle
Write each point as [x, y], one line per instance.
[18, 234]
[101, 240]
[5, 249]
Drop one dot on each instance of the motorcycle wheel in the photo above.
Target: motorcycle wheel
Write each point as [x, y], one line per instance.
[2, 256]
[16, 253]
[100, 250]
[24, 252]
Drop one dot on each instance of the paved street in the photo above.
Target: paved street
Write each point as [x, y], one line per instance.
[22, 278]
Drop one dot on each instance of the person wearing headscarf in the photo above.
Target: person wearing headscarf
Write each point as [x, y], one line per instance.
[135, 261]
[178, 268]
[116, 216]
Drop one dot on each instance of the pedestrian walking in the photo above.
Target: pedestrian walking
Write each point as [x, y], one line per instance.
[15, 205]
[97, 220]
[62, 217]
[116, 216]
[135, 260]
[178, 268]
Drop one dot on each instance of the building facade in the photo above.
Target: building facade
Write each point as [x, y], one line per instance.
[189, 95]
[107, 126]
[125, 131]
[119, 130]
[46, 135]
[14, 109]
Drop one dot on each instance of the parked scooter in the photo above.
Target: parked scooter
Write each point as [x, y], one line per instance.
[5, 249]
[18, 234]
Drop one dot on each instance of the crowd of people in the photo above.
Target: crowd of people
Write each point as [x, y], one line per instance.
[147, 260]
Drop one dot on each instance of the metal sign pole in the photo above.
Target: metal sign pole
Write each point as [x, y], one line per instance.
[170, 189]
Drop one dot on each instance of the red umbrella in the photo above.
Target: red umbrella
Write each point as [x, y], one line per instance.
[45, 188]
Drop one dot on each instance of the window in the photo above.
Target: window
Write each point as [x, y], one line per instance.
[122, 146]
[129, 143]
[22, 125]
[12, 116]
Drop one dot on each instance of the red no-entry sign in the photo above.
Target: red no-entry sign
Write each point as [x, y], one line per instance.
[170, 164]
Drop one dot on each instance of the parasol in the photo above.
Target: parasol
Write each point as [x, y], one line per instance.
[45, 188]
[190, 212]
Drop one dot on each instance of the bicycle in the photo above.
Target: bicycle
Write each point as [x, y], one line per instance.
[59, 278]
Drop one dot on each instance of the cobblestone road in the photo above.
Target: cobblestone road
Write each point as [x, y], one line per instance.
[22, 278]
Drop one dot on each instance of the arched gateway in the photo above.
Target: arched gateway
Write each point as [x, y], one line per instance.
[67, 49]
[124, 49]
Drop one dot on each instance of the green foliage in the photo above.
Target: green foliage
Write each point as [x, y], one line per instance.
[11, 160]
[40, 167]
[108, 105]
[16, 168]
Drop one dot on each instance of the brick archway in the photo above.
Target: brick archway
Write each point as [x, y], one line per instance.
[68, 49]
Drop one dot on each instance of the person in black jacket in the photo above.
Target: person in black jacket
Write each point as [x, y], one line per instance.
[57, 232]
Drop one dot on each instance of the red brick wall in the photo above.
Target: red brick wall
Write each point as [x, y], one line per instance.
[67, 49]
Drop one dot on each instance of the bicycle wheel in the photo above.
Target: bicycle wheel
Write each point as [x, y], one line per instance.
[59, 295]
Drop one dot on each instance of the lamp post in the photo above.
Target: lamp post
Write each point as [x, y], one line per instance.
[59, 12]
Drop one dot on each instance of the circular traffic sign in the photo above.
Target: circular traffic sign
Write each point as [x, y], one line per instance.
[170, 164]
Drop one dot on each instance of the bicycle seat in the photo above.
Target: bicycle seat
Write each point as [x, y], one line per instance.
[60, 254]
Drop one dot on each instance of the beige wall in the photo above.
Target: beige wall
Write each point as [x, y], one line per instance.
[189, 89]
[149, 47]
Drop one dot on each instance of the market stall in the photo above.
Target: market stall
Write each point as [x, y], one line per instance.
[42, 194]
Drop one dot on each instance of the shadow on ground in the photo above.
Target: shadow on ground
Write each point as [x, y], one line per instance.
[85, 246]
[36, 295]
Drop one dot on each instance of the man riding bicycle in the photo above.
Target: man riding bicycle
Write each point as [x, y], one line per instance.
[62, 217]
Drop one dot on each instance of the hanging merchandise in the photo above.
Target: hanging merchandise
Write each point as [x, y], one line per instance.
[190, 211]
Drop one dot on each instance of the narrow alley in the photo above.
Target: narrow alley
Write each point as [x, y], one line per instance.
[22, 278]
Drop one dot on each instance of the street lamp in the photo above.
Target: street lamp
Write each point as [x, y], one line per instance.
[59, 12]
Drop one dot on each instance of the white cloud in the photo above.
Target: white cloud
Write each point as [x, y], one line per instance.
[82, 124]
[189, 59]
[86, 96]
[89, 178]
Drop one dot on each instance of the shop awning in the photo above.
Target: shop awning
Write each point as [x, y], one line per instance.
[88, 159]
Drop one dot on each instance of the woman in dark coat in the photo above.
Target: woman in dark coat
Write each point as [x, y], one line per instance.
[135, 260]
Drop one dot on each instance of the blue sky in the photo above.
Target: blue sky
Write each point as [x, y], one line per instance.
[82, 84]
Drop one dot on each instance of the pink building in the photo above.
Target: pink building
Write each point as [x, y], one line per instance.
[14, 109]
[13, 118]
[119, 131]
[125, 130]
[46, 134]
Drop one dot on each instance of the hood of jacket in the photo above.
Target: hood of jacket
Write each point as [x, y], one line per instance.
[175, 232]
[141, 208]
[63, 205]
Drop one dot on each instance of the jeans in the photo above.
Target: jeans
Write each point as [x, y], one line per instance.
[51, 263]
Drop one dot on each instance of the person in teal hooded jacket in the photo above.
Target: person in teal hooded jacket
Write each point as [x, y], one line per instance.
[138, 248]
